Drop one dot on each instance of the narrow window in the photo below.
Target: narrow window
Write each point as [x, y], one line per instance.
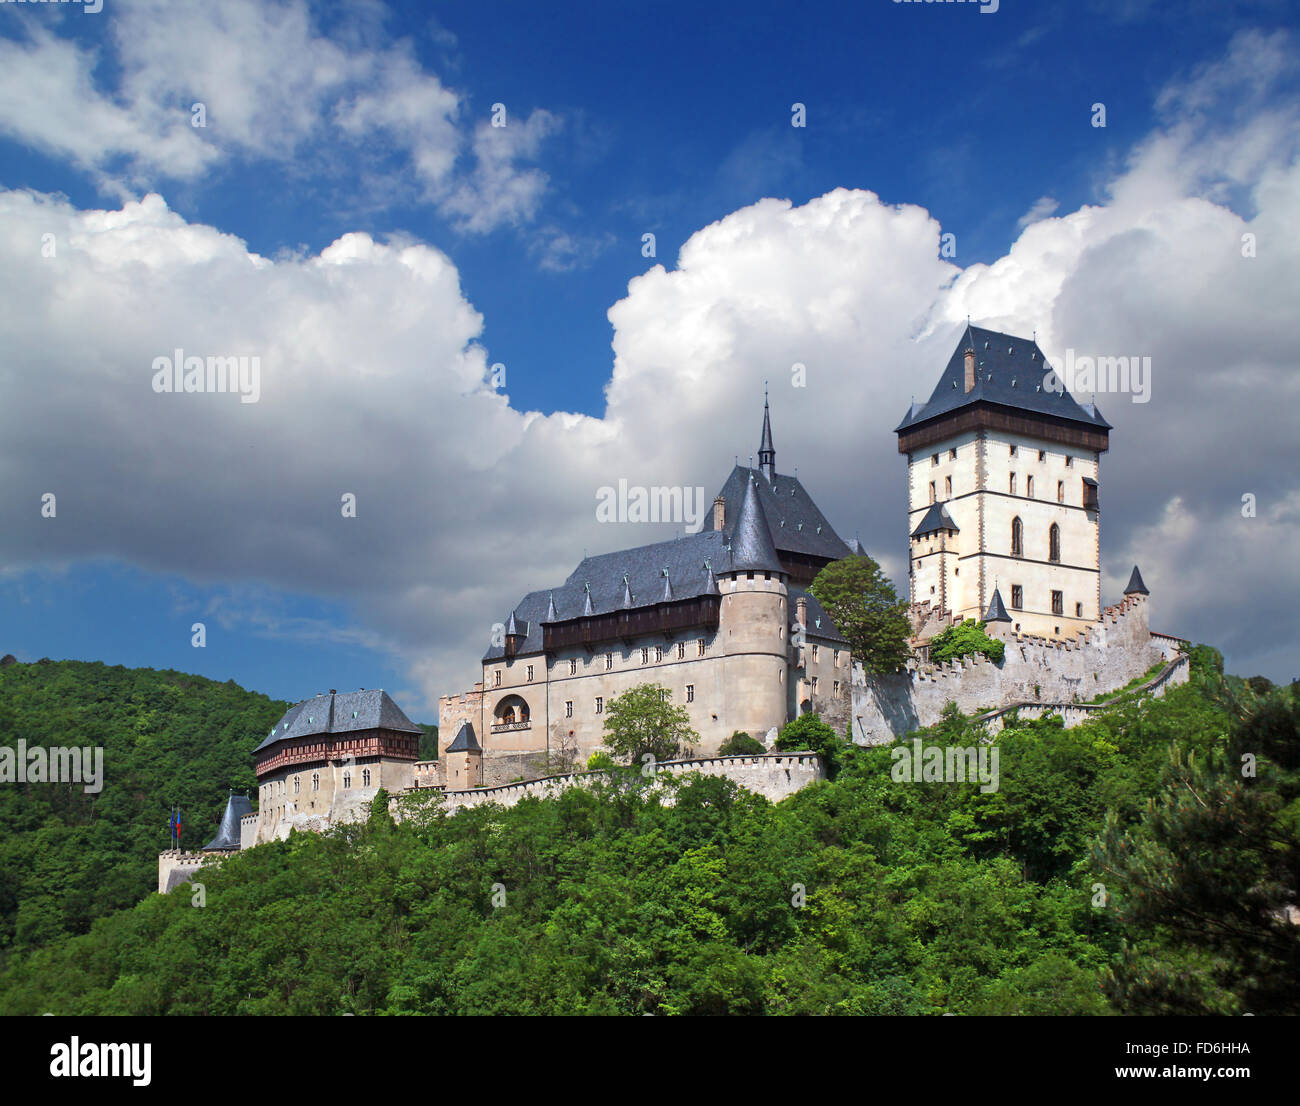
[814, 685]
[700, 644]
[496, 678]
[609, 661]
[297, 784]
[600, 705]
[1042, 455]
[347, 779]
[681, 650]
[1017, 537]
[1029, 486]
[645, 656]
[568, 709]
[1013, 484]
[530, 671]
[1058, 603]
[1069, 461]
[947, 487]
[815, 650]
[934, 458]
[365, 777]
[1054, 545]
[1060, 491]
[690, 693]
[659, 653]
[315, 781]
[1017, 597]
[931, 491]
[1078, 610]
[1013, 451]
[573, 668]
[835, 689]
[952, 455]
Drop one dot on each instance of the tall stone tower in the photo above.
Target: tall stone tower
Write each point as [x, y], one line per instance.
[1003, 467]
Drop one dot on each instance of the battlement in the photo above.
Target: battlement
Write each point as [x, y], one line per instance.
[774, 775]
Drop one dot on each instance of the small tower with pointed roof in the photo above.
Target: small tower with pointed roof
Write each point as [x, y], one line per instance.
[464, 760]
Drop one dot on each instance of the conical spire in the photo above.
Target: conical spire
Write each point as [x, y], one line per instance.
[628, 603]
[668, 588]
[587, 608]
[227, 839]
[1135, 584]
[766, 450]
[551, 614]
[751, 543]
[711, 584]
[996, 612]
[512, 629]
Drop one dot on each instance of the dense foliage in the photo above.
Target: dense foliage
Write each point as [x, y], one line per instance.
[741, 744]
[169, 739]
[643, 722]
[857, 895]
[862, 603]
[964, 639]
[809, 733]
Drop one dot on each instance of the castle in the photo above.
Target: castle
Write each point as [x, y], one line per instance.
[1003, 526]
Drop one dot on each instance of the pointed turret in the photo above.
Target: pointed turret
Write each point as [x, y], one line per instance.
[551, 614]
[512, 636]
[766, 450]
[751, 543]
[668, 588]
[711, 584]
[627, 602]
[227, 839]
[465, 741]
[997, 612]
[1135, 584]
[587, 608]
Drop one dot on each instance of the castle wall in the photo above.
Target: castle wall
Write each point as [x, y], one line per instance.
[775, 776]
[1104, 658]
[324, 795]
[183, 863]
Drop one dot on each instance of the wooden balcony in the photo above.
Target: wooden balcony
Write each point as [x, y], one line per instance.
[665, 618]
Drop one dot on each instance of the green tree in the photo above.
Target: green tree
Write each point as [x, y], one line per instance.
[809, 733]
[963, 640]
[643, 720]
[866, 610]
[741, 744]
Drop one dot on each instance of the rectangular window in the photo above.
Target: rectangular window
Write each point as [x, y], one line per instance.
[1013, 451]
[1078, 610]
[681, 650]
[1029, 486]
[600, 705]
[609, 661]
[1069, 461]
[815, 650]
[530, 671]
[931, 491]
[934, 458]
[663, 694]
[496, 678]
[1017, 597]
[645, 656]
[573, 668]
[1013, 483]
[1058, 603]
[568, 709]
[659, 653]
[814, 685]
[690, 693]
[947, 487]
[952, 455]
[1042, 455]
[700, 643]
[836, 688]
[1060, 491]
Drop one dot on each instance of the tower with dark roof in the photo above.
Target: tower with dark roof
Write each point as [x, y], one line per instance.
[766, 450]
[1003, 470]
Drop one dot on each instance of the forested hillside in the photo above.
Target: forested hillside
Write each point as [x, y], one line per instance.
[169, 739]
[1125, 866]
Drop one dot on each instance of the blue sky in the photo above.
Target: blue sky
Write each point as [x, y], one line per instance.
[622, 120]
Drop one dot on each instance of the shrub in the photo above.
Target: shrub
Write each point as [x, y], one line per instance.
[741, 744]
[964, 640]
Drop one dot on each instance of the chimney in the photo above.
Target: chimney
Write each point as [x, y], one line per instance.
[719, 513]
[970, 369]
[801, 611]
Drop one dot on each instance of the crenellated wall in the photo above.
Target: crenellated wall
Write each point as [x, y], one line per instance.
[774, 776]
[183, 864]
[1105, 657]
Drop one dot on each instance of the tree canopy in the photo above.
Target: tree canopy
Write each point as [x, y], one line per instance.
[644, 720]
[865, 608]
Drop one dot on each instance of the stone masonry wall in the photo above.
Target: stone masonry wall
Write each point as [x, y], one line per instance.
[1102, 659]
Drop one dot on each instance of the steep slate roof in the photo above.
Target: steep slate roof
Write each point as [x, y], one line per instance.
[820, 626]
[684, 557]
[996, 612]
[751, 544]
[228, 835]
[1135, 584]
[341, 712]
[794, 521]
[465, 741]
[1009, 371]
[936, 518]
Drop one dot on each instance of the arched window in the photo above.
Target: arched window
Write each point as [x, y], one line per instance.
[1054, 543]
[315, 781]
[365, 777]
[347, 779]
[1017, 538]
[297, 784]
